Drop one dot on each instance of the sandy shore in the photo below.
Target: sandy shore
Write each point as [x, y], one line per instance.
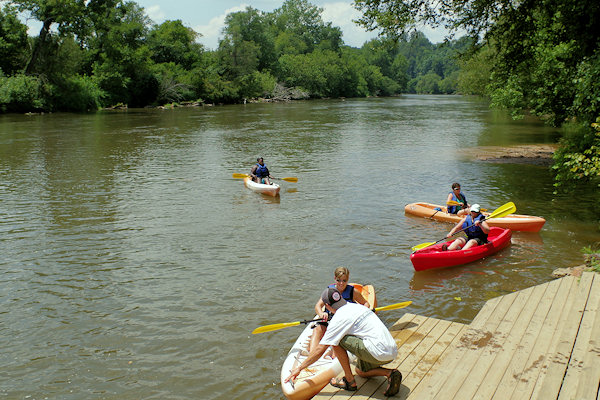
[538, 154]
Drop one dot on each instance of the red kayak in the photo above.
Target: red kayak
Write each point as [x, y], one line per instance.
[433, 256]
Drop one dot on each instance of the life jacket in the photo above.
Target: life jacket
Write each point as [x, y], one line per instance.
[347, 294]
[262, 171]
[474, 231]
[461, 199]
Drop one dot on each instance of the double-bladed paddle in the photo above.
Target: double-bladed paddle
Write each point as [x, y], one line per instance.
[274, 327]
[242, 176]
[504, 210]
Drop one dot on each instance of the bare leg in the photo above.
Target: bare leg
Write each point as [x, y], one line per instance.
[457, 244]
[470, 243]
[316, 336]
[342, 355]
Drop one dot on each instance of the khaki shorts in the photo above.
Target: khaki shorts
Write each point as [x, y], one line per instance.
[366, 361]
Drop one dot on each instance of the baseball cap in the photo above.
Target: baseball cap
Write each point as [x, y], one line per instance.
[333, 297]
[475, 207]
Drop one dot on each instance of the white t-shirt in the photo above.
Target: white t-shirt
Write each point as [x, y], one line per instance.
[357, 320]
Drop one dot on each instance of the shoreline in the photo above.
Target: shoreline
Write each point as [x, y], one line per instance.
[535, 154]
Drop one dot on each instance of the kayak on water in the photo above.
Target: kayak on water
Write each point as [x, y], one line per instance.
[314, 378]
[516, 222]
[434, 257]
[270, 190]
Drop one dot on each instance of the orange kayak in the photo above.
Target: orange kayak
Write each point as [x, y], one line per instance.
[516, 222]
[314, 378]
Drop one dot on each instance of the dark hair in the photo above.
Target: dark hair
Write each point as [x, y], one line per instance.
[455, 185]
[258, 159]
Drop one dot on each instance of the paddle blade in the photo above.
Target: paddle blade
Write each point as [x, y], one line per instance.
[504, 210]
[394, 306]
[274, 327]
[290, 179]
[240, 176]
[422, 246]
[453, 203]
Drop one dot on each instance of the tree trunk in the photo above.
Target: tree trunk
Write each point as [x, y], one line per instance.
[39, 47]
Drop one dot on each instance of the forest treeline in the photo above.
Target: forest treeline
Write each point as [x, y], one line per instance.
[538, 57]
[95, 54]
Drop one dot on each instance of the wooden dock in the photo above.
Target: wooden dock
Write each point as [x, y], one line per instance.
[539, 343]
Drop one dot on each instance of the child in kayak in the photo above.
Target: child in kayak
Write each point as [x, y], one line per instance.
[341, 276]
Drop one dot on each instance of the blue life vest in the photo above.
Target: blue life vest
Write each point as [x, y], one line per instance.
[462, 199]
[474, 231]
[262, 171]
[347, 294]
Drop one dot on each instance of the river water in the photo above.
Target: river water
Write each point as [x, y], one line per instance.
[134, 266]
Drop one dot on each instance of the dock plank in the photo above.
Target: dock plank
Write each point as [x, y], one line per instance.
[523, 372]
[472, 340]
[558, 363]
[578, 369]
[541, 343]
[517, 345]
[503, 341]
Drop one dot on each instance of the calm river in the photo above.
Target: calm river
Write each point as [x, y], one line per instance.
[134, 266]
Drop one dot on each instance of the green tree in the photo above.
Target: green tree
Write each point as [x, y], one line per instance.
[173, 42]
[304, 20]
[247, 39]
[539, 47]
[13, 41]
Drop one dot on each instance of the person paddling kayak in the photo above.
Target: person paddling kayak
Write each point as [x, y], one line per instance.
[476, 229]
[457, 196]
[260, 172]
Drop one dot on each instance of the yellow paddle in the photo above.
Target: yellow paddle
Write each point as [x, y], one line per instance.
[508, 208]
[242, 176]
[274, 327]
[456, 203]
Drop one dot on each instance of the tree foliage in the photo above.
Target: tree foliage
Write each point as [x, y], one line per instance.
[96, 53]
[534, 56]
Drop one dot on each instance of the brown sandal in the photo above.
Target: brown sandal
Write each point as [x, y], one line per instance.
[350, 386]
[395, 379]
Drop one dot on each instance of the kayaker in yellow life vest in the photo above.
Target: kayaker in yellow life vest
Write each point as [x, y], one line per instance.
[457, 196]
[260, 172]
[474, 226]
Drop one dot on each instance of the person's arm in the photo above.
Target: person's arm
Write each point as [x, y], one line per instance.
[483, 225]
[456, 227]
[358, 298]
[320, 310]
[449, 199]
[253, 171]
[308, 361]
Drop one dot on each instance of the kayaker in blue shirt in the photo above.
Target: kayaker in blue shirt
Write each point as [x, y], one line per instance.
[457, 196]
[260, 172]
[476, 229]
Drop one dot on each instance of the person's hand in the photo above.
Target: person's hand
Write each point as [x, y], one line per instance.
[477, 223]
[294, 373]
[323, 316]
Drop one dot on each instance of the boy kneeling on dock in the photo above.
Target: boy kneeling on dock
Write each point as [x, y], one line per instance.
[356, 329]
